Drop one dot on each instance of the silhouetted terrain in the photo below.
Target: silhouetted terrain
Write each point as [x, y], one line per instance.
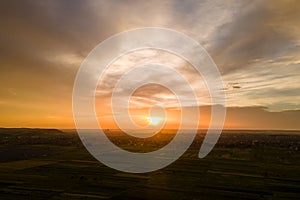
[53, 164]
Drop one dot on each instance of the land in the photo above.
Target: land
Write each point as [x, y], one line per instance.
[53, 164]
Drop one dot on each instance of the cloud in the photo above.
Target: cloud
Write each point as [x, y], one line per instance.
[255, 44]
[155, 73]
[247, 117]
[265, 84]
[258, 31]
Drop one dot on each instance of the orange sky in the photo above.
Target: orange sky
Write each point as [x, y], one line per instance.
[255, 44]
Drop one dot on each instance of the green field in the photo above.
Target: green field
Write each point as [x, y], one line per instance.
[50, 164]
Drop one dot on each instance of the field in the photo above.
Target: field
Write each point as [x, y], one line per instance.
[53, 164]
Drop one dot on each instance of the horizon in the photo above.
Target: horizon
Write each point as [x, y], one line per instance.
[107, 129]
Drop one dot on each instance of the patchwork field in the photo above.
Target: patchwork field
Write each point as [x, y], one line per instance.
[51, 164]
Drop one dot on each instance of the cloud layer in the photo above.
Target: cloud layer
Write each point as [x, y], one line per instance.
[255, 44]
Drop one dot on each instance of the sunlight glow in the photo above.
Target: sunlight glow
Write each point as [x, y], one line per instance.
[154, 120]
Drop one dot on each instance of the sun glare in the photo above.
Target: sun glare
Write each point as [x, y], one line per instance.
[154, 120]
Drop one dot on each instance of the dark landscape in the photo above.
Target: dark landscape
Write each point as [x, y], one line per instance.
[53, 164]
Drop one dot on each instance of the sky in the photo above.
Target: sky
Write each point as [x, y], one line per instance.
[255, 45]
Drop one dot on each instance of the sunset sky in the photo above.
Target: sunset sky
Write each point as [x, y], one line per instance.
[255, 44]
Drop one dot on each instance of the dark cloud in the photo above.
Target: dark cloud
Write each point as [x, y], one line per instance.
[257, 31]
[35, 30]
[261, 118]
[253, 117]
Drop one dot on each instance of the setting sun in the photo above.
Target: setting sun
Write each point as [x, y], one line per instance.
[154, 120]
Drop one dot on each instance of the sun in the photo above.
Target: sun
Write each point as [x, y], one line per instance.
[154, 120]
